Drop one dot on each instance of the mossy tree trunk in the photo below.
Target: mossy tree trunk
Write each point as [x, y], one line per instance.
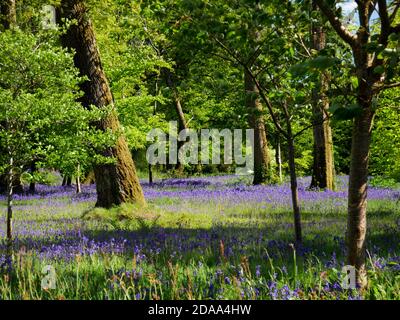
[256, 122]
[117, 182]
[323, 165]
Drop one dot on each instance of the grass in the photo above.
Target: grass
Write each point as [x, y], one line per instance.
[188, 245]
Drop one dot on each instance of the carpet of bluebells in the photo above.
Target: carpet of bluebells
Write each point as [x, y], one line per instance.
[199, 238]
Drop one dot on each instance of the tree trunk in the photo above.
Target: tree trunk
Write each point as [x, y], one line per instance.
[278, 158]
[78, 180]
[293, 178]
[262, 172]
[323, 166]
[9, 207]
[8, 14]
[357, 202]
[150, 174]
[32, 184]
[117, 182]
[182, 125]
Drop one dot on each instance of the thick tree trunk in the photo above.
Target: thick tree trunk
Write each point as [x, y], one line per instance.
[8, 15]
[323, 166]
[262, 170]
[117, 182]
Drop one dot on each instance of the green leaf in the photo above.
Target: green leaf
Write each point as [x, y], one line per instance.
[345, 112]
[354, 82]
[379, 70]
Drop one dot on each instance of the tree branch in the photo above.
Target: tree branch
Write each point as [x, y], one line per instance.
[389, 86]
[343, 32]
[259, 87]
[385, 22]
[394, 12]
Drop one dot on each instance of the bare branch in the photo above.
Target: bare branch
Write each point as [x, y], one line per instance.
[389, 86]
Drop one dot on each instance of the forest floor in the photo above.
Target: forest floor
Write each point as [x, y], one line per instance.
[199, 238]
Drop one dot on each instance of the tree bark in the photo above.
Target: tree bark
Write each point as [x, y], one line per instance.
[10, 182]
[117, 182]
[357, 201]
[32, 184]
[294, 191]
[182, 125]
[323, 165]
[358, 178]
[293, 177]
[278, 158]
[8, 14]
[262, 170]
[78, 179]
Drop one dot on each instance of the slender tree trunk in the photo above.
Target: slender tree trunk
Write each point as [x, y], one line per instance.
[182, 125]
[8, 15]
[293, 178]
[154, 113]
[278, 158]
[323, 166]
[294, 191]
[78, 179]
[32, 184]
[117, 182]
[150, 174]
[262, 170]
[10, 183]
